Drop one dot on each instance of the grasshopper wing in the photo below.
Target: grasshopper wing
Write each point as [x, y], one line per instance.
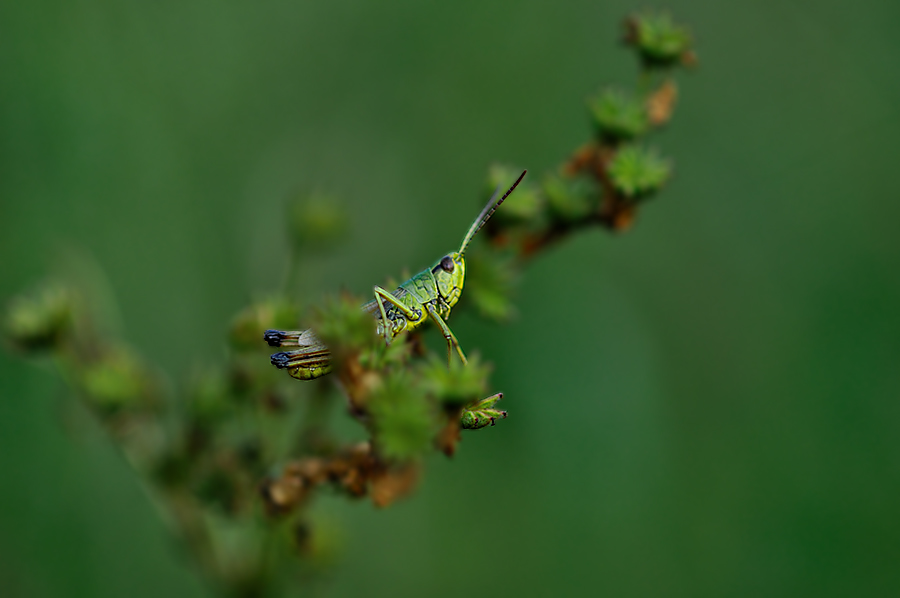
[371, 307]
[311, 359]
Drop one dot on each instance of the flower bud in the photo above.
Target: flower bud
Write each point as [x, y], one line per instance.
[617, 115]
[522, 205]
[570, 199]
[316, 221]
[637, 172]
[40, 321]
[660, 42]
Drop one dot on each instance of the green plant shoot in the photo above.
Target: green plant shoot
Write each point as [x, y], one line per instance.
[430, 294]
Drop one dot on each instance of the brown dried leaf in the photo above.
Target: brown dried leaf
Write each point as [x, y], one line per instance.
[661, 103]
[582, 159]
[449, 436]
[389, 484]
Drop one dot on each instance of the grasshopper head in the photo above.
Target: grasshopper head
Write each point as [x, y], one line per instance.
[450, 274]
[450, 271]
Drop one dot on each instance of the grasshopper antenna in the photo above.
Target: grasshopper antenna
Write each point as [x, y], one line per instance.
[487, 212]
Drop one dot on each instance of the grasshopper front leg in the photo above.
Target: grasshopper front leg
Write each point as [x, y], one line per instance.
[381, 296]
[448, 334]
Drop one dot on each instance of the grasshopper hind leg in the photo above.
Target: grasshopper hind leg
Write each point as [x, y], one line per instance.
[390, 329]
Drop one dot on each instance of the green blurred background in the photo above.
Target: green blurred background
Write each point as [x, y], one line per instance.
[705, 406]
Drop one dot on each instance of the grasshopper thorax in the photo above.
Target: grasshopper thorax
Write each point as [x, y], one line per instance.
[450, 274]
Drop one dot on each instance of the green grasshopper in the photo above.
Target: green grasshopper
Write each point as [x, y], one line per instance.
[429, 294]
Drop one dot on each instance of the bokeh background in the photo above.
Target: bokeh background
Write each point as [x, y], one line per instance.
[708, 405]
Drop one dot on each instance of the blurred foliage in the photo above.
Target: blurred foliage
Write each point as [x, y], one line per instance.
[617, 115]
[276, 312]
[704, 407]
[316, 222]
[236, 440]
[570, 199]
[492, 281]
[637, 173]
[40, 320]
[661, 42]
[768, 463]
[402, 420]
[524, 205]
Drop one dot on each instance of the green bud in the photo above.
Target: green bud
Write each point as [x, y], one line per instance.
[522, 205]
[116, 381]
[40, 321]
[570, 199]
[637, 172]
[618, 115]
[322, 543]
[209, 399]
[659, 40]
[317, 221]
[491, 280]
[249, 325]
[379, 355]
[457, 384]
[482, 414]
[217, 488]
[343, 327]
[171, 469]
[402, 419]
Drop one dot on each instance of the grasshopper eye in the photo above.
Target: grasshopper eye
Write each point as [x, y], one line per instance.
[447, 263]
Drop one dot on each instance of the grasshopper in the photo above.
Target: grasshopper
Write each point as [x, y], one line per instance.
[429, 294]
